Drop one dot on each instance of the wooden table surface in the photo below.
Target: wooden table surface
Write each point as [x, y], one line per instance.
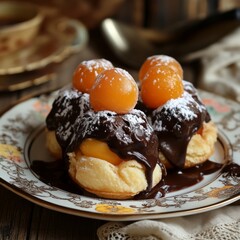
[21, 219]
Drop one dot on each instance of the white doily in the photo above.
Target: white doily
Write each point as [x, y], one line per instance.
[221, 224]
[221, 66]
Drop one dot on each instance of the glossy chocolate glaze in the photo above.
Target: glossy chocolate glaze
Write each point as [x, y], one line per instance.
[176, 122]
[180, 179]
[128, 135]
[68, 105]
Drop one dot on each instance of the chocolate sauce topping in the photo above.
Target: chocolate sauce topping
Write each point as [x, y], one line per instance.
[188, 87]
[176, 122]
[68, 105]
[128, 135]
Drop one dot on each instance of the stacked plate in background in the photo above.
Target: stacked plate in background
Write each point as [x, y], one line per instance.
[32, 63]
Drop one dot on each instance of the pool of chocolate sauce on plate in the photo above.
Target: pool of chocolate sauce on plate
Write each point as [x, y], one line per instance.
[54, 174]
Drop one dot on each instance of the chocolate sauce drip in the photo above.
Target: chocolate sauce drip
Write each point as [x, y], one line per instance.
[129, 135]
[176, 122]
[180, 179]
[156, 192]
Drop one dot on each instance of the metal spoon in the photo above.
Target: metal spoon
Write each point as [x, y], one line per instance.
[132, 48]
[126, 42]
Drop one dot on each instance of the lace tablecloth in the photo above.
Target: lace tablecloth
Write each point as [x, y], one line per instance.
[221, 66]
[221, 224]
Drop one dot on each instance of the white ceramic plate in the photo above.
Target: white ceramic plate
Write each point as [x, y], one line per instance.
[22, 139]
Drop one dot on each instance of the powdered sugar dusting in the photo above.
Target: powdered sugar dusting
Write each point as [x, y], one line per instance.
[163, 59]
[94, 64]
[182, 109]
[64, 101]
[92, 68]
[111, 78]
[124, 127]
[69, 93]
[124, 73]
[69, 105]
[188, 86]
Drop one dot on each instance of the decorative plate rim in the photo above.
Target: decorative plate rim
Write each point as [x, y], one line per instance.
[104, 209]
[111, 217]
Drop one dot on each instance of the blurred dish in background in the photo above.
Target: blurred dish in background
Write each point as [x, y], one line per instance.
[33, 64]
[89, 12]
[19, 25]
[24, 80]
[59, 38]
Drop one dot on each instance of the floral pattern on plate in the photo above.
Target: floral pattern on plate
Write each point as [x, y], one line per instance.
[22, 137]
